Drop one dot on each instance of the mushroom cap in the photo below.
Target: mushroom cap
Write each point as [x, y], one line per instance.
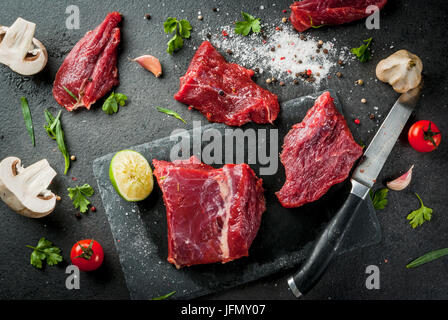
[19, 50]
[24, 190]
[402, 70]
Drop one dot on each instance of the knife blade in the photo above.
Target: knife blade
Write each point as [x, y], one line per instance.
[363, 178]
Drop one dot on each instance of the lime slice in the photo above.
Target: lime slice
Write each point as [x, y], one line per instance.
[131, 175]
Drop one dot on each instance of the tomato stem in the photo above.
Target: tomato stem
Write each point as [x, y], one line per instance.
[428, 135]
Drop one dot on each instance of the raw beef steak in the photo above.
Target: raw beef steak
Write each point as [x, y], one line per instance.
[317, 153]
[213, 215]
[90, 70]
[224, 92]
[308, 13]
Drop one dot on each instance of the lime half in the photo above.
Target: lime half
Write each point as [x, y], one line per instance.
[131, 175]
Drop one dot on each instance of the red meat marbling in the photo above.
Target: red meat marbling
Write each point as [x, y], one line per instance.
[90, 69]
[317, 153]
[224, 92]
[213, 215]
[308, 13]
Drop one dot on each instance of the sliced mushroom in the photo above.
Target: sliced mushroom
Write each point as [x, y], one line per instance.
[19, 50]
[402, 70]
[24, 190]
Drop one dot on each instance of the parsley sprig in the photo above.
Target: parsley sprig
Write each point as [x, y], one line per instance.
[45, 251]
[249, 24]
[110, 105]
[419, 216]
[79, 196]
[181, 31]
[363, 52]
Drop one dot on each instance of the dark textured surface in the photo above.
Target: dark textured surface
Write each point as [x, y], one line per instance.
[419, 26]
[283, 241]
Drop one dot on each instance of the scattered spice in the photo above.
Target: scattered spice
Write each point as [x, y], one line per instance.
[147, 16]
[200, 17]
[215, 9]
[359, 82]
[363, 100]
[281, 83]
[73, 158]
[339, 74]
[229, 51]
[284, 20]
[268, 80]
[372, 116]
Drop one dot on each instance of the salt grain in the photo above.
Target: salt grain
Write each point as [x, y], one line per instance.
[292, 54]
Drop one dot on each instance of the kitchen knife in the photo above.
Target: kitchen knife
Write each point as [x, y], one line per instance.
[363, 178]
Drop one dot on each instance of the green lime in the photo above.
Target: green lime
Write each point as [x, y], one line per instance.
[131, 175]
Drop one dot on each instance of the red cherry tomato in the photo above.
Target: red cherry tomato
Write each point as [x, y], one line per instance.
[424, 136]
[87, 255]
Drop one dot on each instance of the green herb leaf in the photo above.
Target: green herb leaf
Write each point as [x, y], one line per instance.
[428, 257]
[419, 216]
[28, 120]
[71, 94]
[181, 31]
[45, 251]
[171, 113]
[54, 130]
[379, 198]
[110, 105]
[79, 196]
[363, 52]
[313, 26]
[170, 25]
[249, 24]
[165, 296]
[185, 28]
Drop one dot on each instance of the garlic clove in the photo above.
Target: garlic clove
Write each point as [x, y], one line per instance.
[150, 63]
[401, 182]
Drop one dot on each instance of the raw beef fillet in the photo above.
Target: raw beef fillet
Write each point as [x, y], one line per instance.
[308, 13]
[213, 215]
[90, 70]
[224, 92]
[317, 153]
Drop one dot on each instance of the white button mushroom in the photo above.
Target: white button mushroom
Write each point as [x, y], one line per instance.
[402, 70]
[19, 50]
[24, 190]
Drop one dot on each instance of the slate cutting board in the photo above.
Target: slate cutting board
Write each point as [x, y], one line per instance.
[284, 238]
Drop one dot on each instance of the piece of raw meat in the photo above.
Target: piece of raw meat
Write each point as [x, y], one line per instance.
[308, 13]
[213, 215]
[317, 153]
[90, 70]
[224, 92]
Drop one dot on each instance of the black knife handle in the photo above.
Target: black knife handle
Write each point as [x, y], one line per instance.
[325, 247]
